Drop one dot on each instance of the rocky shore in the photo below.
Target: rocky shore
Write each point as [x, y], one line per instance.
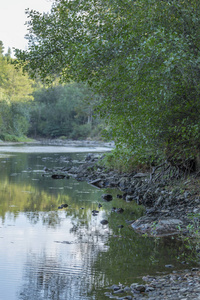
[171, 208]
[168, 205]
[183, 285]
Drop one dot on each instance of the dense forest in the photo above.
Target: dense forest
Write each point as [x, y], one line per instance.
[29, 108]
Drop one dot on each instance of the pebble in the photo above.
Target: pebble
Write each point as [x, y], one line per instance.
[120, 226]
[169, 266]
[184, 285]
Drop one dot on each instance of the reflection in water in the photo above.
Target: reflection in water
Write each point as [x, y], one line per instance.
[66, 275]
[51, 253]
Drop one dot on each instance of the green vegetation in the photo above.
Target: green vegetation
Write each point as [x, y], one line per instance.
[191, 240]
[29, 108]
[15, 96]
[141, 56]
[64, 111]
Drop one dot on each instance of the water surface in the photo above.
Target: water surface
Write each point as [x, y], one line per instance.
[51, 253]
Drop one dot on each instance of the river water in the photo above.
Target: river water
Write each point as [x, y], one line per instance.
[51, 253]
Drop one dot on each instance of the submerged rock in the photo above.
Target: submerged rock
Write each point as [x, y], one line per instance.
[107, 197]
[65, 205]
[58, 176]
[104, 222]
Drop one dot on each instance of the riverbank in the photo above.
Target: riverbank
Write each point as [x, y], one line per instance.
[76, 143]
[169, 205]
[184, 285]
[171, 208]
[60, 142]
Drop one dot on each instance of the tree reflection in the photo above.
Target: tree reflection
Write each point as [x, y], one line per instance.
[67, 276]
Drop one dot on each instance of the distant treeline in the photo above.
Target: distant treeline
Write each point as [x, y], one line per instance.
[28, 108]
[64, 111]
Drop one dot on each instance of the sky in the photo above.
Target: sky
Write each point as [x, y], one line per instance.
[13, 18]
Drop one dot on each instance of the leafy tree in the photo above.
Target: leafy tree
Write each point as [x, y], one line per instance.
[8, 54]
[142, 56]
[1, 48]
[62, 111]
[15, 94]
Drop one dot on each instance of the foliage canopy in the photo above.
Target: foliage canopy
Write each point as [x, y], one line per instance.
[142, 56]
[15, 95]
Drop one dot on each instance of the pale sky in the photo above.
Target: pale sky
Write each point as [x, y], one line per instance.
[13, 18]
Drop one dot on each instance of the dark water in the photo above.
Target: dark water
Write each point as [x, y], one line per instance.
[48, 253]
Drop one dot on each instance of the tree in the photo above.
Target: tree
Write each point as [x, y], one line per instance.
[8, 54]
[15, 94]
[62, 111]
[142, 56]
[1, 48]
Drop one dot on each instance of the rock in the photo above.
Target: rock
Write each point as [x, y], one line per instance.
[133, 285]
[140, 175]
[169, 266]
[123, 182]
[119, 196]
[97, 182]
[140, 288]
[129, 198]
[120, 226]
[129, 221]
[88, 157]
[120, 291]
[149, 289]
[127, 289]
[159, 201]
[148, 198]
[47, 170]
[119, 210]
[104, 222]
[107, 197]
[114, 287]
[57, 176]
[162, 227]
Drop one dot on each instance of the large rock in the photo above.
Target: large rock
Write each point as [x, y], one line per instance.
[107, 197]
[152, 227]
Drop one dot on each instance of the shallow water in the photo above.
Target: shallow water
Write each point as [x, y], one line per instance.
[51, 253]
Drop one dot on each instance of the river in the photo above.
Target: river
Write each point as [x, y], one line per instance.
[52, 253]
